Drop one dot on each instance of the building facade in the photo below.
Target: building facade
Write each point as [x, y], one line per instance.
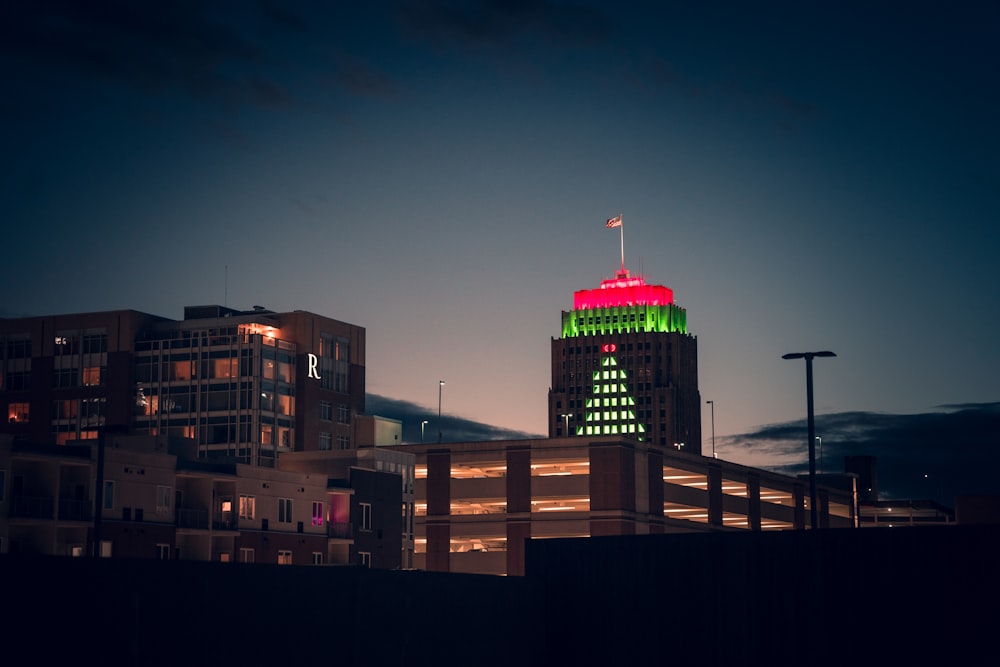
[626, 365]
[478, 502]
[127, 496]
[246, 386]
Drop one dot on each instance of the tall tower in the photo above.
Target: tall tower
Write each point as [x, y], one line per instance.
[626, 365]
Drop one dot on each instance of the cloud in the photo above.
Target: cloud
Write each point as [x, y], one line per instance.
[936, 455]
[453, 429]
[491, 22]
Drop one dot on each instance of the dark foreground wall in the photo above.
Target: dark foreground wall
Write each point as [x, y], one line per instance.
[912, 596]
[146, 612]
[892, 596]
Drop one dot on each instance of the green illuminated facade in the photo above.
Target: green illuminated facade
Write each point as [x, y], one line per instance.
[626, 365]
[623, 320]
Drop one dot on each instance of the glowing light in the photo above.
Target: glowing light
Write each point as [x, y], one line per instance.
[623, 292]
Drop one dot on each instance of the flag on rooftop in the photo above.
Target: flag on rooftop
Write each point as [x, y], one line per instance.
[614, 222]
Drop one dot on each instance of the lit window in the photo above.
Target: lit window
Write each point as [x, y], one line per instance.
[284, 557]
[317, 513]
[91, 376]
[18, 413]
[247, 506]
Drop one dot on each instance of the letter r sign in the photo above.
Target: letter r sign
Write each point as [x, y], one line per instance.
[313, 360]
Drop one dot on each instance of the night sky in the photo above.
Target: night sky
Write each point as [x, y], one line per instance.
[804, 176]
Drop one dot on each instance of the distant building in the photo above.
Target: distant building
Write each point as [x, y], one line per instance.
[626, 365]
[197, 417]
[477, 502]
[246, 386]
[156, 499]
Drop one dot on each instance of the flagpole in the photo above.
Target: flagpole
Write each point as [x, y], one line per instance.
[621, 233]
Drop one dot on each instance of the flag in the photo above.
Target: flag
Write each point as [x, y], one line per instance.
[614, 222]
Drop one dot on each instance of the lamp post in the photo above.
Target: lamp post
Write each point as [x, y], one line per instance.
[712, 403]
[422, 425]
[819, 439]
[566, 417]
[440, 389]
[809, 356]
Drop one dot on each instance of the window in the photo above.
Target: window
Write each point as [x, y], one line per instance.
[284, 510]
[247, 506]
[284, 557]
[366, 516]
[163, 551]
[109, 495]
[325, 441]
[365, 558]
[95, 343]
[19, 348]
[326, 411]
[317, 558]
[343, 414]
[343, 442]
[317, 517]
[93, 376]
[105, 548]
[163, 496]
[18, 380]
[65, 377]
[246, 555]
[17, 413]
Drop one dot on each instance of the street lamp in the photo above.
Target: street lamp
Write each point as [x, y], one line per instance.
[440, 389]
[422, 425]
[809, 356]
[712, 403]
[566, 417]
[819, 439]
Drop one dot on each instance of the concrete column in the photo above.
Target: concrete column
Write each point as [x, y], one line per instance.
[438, 523]
[753, 501]
[714, 494]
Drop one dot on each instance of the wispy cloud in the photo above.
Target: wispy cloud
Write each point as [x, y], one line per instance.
[934, 455]
[452, 428]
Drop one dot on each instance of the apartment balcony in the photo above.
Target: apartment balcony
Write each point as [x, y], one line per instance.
[192, 518]
[75, 510]
[224, 522]
[32, 507]
[340, 531]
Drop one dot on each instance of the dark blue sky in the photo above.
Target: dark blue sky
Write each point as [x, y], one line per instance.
[804, 176]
